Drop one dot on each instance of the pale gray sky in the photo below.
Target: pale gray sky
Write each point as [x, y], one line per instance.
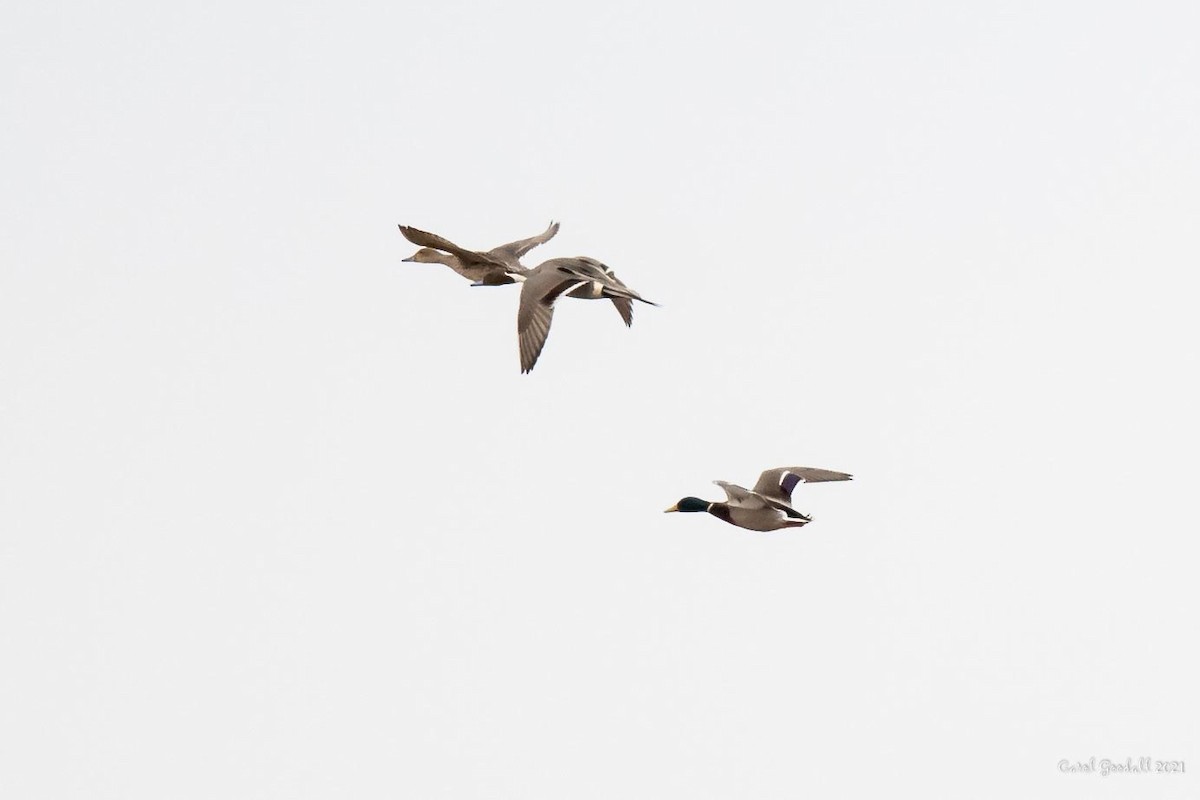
[282, 519]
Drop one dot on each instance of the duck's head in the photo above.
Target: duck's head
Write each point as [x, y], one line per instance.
[689, 504]
[427, 255]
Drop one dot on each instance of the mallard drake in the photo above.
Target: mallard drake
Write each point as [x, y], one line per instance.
[768, 506]
[494, 267]
[581, 277]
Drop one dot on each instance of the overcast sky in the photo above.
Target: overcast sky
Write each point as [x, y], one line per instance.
[281, 518]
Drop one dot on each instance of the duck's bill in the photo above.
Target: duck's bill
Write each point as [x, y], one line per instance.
[672, 508]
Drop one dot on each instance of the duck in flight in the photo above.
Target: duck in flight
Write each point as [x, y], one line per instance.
[494, 267]
[766, 507]
[580, 277]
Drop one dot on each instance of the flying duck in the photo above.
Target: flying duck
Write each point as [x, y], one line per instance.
[580, 277]
[494, 267]
[766, 507]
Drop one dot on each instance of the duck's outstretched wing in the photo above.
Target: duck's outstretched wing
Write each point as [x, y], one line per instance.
[624, 307]
[514, 250]
[427, 239]
[778, 483]
[536, 311]
[531, 337]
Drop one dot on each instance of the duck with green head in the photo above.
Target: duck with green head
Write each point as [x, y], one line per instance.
[768, 506]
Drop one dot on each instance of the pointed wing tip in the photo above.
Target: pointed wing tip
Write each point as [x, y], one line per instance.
[815, 475]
